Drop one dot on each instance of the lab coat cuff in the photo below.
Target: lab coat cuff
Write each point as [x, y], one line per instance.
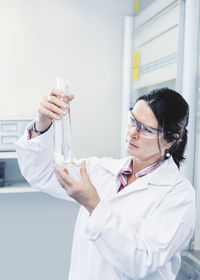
[38, 143]
[97, 220]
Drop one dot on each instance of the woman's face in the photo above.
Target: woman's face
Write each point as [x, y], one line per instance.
[139, 145]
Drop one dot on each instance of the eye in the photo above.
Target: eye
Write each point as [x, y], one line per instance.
[147, 130]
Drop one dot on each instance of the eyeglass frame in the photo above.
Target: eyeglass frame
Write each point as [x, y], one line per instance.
[138, 123]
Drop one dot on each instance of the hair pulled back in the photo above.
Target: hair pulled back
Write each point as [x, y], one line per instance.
[172, 113]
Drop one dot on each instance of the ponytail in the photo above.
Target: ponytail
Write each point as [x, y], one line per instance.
[178, 148]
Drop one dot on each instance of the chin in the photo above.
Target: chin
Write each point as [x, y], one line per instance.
[131, 152]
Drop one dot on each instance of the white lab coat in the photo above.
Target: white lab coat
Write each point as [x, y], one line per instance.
[137, 233]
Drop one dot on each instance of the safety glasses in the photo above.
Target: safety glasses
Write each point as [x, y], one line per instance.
[143, 129]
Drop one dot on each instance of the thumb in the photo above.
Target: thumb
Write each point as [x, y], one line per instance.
[83, 170]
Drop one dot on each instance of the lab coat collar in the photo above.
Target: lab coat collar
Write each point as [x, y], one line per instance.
[115, 166]
[166, 174]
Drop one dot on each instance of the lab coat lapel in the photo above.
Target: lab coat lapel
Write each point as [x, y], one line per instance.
[164, 175]
[114, 166]
[138, 185]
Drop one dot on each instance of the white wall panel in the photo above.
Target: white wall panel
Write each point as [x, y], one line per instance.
[161, 47]
[158, 76]
[156, 38]
[152, 11]
[156, 28]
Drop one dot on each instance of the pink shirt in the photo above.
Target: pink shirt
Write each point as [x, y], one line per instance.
[128, 169]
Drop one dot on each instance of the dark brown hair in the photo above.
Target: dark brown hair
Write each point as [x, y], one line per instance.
[172, 113]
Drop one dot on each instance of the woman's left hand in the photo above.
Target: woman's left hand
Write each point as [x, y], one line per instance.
[83, 192]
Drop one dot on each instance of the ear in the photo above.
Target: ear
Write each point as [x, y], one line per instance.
[169, 144]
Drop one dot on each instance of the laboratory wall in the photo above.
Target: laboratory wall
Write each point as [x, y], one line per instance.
[83, 40]
[80, 39]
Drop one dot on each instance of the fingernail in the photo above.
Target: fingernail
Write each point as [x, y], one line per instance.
[58, 118]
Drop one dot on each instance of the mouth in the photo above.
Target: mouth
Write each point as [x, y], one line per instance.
[132, 145]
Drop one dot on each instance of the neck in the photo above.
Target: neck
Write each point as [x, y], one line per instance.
[140, 164]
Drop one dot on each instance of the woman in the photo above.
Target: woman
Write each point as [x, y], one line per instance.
[138, 212]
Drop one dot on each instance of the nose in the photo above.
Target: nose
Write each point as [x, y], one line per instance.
[133, 132]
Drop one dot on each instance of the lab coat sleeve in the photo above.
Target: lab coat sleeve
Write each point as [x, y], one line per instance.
[139, 251]
[35, 159]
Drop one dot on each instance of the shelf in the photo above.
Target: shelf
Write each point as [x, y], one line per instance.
[4, 155]
[18, 188]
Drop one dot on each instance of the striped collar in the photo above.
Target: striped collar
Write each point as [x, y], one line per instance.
[128, 168]
[166, 174]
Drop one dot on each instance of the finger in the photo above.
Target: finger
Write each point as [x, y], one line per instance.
[53, 108]
[66, 171]
[83, 170]
[61, 94]
[65, 177]
[57, 92]
[61, 103]
[61, 181]
[45, 112]
[67, 98]
[70, 96]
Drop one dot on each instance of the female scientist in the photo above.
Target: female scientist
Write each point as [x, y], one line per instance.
[137, 213]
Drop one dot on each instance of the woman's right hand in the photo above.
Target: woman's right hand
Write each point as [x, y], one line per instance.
[53, 106]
